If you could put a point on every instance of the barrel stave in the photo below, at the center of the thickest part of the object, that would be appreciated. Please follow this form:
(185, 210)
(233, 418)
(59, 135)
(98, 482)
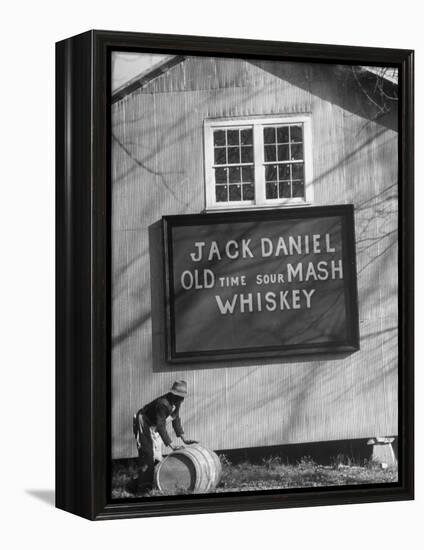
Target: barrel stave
(194, 468)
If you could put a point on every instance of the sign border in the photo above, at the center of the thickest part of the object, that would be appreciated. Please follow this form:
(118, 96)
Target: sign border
(350, 345)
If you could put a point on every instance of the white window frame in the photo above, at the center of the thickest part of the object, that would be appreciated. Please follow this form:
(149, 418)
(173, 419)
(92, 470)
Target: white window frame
(258, 123)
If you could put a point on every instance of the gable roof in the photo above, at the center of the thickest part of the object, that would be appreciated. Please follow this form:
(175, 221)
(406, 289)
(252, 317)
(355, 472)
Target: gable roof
(146, 76)
(386, 73)
(165, 63)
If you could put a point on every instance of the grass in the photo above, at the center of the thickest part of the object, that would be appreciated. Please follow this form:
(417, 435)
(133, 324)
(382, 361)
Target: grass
(273, 473)
(270, 473)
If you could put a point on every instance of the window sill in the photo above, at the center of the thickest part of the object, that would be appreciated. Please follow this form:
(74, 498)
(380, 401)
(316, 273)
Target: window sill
(239, 208)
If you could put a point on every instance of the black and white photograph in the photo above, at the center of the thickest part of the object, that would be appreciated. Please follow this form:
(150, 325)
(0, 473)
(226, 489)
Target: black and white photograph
(254, 275)
(210, 235)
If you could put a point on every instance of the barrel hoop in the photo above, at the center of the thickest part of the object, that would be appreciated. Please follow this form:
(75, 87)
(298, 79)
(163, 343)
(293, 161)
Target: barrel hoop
(205, 463)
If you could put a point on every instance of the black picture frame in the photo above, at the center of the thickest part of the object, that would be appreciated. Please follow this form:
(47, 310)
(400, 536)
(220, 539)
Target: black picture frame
(83, 377)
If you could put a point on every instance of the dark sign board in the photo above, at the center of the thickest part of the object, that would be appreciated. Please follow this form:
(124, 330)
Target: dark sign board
(260, 283)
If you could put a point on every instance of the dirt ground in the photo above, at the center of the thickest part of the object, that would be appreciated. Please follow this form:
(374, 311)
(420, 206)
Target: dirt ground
(271, 473)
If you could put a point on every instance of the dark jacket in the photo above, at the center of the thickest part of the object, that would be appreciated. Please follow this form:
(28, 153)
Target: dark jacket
(157, 411)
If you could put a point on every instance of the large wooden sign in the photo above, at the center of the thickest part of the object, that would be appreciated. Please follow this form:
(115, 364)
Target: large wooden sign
(260, 283)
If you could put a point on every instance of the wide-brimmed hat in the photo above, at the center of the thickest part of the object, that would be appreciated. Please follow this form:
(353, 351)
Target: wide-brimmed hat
(179, 387)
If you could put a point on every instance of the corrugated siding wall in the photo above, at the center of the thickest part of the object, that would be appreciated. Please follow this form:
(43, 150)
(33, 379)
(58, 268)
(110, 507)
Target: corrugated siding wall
(158, 170)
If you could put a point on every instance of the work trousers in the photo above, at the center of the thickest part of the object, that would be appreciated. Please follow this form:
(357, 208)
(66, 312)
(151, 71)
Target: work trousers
(148, 446)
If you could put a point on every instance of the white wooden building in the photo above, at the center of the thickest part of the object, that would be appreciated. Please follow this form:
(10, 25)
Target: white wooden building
(163, 158)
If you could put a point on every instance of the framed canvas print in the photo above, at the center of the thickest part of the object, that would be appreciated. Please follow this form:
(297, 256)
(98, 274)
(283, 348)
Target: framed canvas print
(234, 275)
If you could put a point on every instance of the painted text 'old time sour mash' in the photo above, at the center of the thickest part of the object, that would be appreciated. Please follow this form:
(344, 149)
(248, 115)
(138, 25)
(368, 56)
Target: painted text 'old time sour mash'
(291, 272)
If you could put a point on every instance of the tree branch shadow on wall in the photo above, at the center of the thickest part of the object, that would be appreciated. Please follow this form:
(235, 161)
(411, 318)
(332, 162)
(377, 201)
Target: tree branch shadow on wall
(353, 89)
(374, 247)
(364, 245)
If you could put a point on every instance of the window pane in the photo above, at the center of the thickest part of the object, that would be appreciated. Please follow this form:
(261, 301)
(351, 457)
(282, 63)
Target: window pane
(271, 172)
(296, 133)
(283, 134)
(233, 155)
(284, 172)
(297, 171)
(220, 156)
(247, 136)
(219, 137)
(247, 173)
(247, 154)
(233, 137)
(270, 153)
(269, 135)
(221, 193)
(221, 175)
(283, 152)
(296, 152)
(271, 191)
(234, 173)
(298, 189)
(248, 192)
(284, 190)
(235, 192)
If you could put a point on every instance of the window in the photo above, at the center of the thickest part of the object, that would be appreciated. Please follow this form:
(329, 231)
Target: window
(258, 162)
(234, 169)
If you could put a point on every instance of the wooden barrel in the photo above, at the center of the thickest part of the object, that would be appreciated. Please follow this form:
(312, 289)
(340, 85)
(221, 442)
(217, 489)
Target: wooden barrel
(191, 469)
